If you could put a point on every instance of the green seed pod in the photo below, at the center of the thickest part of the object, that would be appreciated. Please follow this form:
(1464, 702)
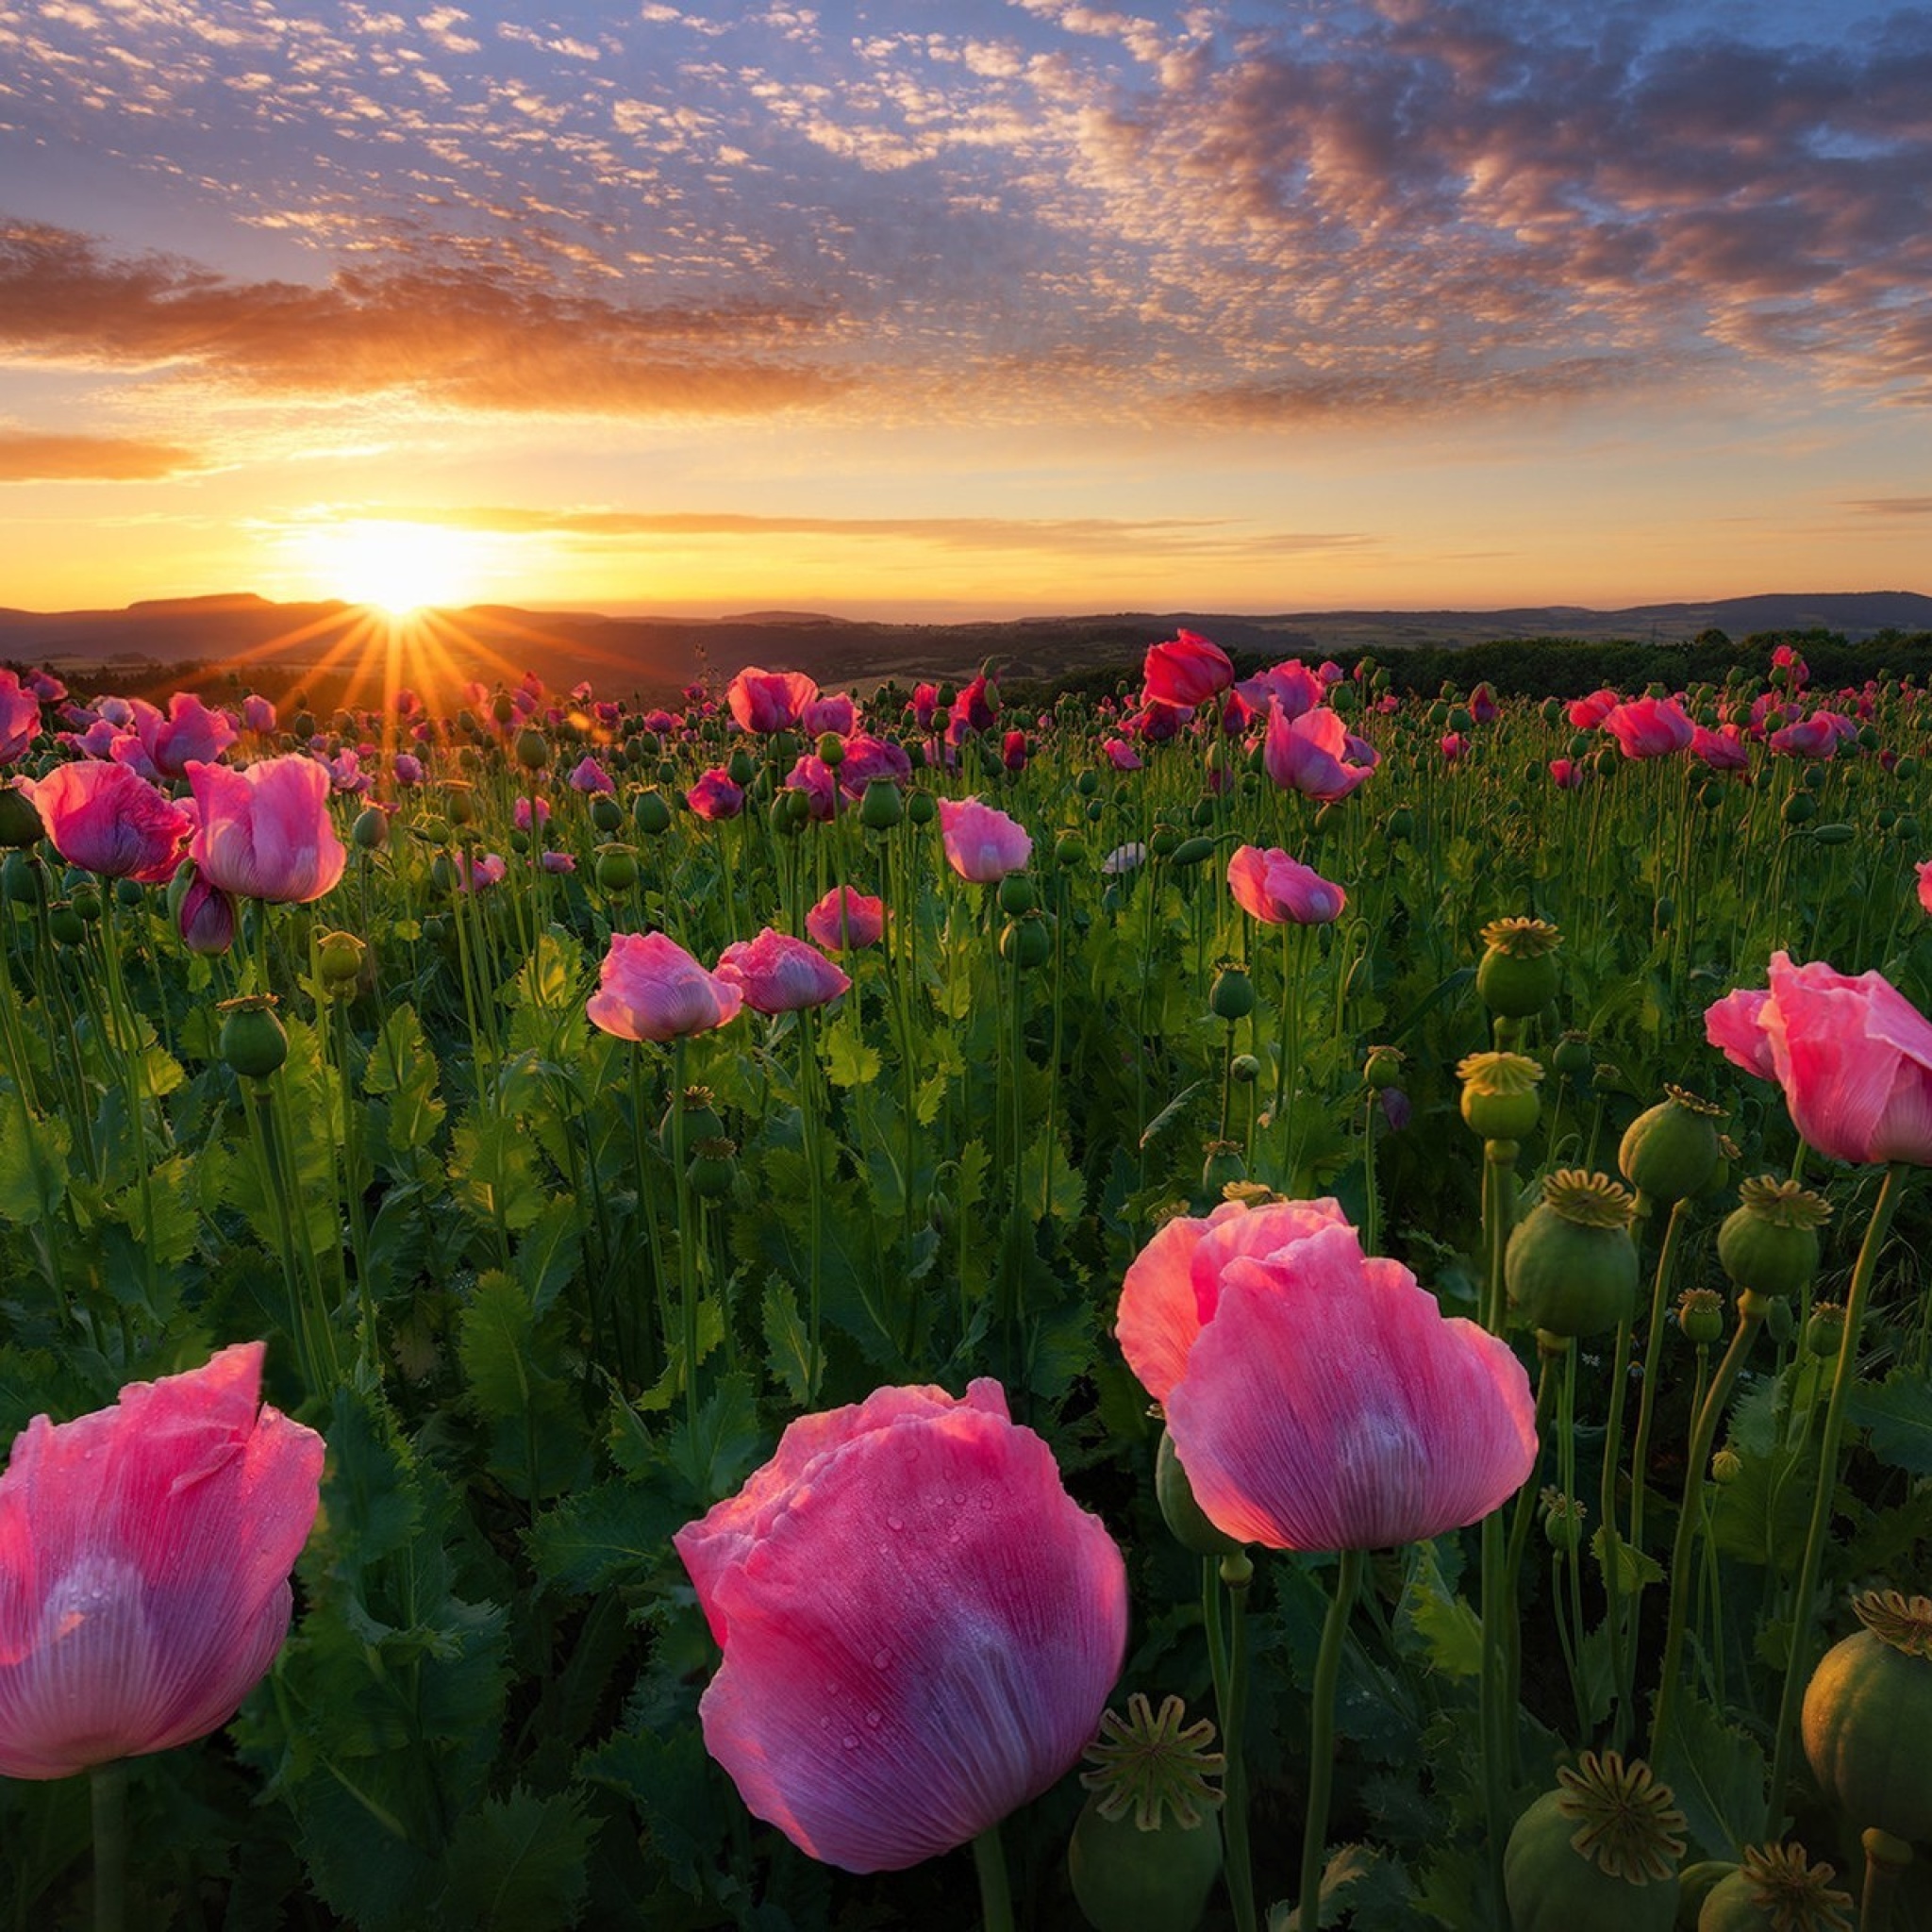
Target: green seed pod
(1222, 1168)
(1670, 1151)
(252, 1040)
(340, 956)
(1016, 895)
(1517, 975)
(533, 749)
(1598, 1855)
(1800, 808)
(19, 823)
(1824, 1332)
(1572, 1057)
(701, 1121)
(1726, 1465)
(921, 808)
(22, 879)
(87, 903)
(1182, 1514)
(1868, 1710)
(650, 814)
(1232, 995)
(459, 803)
(881, 808)
(1563, 1520)
(616, 869)
(1069, 850)
(1146, 1849)
(1246, 1068)
(606, 815)
(1027, 941)
(1769, 1242)
(1701, 1315)
(1163, 841)
(1570, 1266)
(1382, 1070)
(1499, 1099)
(1192, 851)
(713, 1168)
(1776, 1889)
(65, 923)
(370, 833)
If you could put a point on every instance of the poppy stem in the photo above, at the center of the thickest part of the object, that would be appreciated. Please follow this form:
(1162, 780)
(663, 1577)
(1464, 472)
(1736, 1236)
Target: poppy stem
(995, 1887)
(1348, 1585)
(1799, 1668)
(109, 1789)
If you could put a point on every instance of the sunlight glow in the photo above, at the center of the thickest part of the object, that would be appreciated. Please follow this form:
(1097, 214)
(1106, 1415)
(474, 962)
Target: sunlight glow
(397, 567)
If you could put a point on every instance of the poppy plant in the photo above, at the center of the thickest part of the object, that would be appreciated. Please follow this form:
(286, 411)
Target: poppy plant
(920, 1626)
(265, 831)
(649, 987)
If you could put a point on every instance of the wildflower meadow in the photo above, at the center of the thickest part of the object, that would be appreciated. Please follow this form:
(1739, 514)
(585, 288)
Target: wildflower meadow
(1242, 1301)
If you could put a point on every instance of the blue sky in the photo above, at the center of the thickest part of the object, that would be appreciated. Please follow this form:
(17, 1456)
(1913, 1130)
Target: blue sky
(967, 309)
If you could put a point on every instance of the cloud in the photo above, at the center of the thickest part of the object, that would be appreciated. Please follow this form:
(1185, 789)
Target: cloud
(1891, 506)
(27, 458)
(455, 336)
(1098, 536)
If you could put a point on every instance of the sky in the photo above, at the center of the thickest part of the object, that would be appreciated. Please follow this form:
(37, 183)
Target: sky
(978, 309)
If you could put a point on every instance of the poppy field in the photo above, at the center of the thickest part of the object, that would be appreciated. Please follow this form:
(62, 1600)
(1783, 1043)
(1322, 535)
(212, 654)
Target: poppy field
(1252, 1303)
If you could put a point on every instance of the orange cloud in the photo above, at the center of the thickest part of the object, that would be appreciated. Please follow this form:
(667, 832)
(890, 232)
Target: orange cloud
(26, 457)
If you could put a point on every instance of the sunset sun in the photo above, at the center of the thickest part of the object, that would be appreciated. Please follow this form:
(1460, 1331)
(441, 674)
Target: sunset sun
(397, 567)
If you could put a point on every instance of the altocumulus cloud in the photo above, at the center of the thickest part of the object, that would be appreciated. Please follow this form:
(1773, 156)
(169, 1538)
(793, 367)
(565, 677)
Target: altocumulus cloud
(1225, 213)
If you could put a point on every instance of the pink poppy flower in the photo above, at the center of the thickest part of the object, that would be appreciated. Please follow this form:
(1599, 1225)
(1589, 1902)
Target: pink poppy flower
(977, 707)
(1650, 727)
(1122, 756)
(845, 918)
(1810, 737)
(1730, 1024)
(529, 813)
(868, 758)
(1586, 714)
(1187, 670)
(779, 973)
(486, 869)
(1566, 774)
(716, 796)
(1322, 1401)
(190, 731)
(813, 777)
(146, 1550)
(1013, 751)
(407, 768)
(205, 917)
(258, 714)
(837, 714)
(588, 775)
(265, 831)
(1722, 750)
(1292, 685)
(107, 819)
(1313, 753)
(1278, 891)
(649, 987)
(925, 702)
(1454, 744)
(909, 1605)
(1926, 885)
(982, 843)
(1854, 1056)
(558, 862)
(767, 701)
(20, 718)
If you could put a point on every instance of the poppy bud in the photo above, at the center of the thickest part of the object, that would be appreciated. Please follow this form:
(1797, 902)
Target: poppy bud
(1027, 941)
(1670, 1151)
(1570, 1266)
(370, 833)
(1517, 975)
(616, 869)
(606, 815)
(1769, 1242)
(1232, 995)
(20, 824)
(1182, 1514)
(881, 808)
(1016, 895)
(650, 814)
(1499, 1099)
(1701, 1315)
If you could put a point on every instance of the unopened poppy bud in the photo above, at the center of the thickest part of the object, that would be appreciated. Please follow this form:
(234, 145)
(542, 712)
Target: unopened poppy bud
(1069, 849)
(1016, 895)
(921, 808)
(1027, 941)
(1726, 1465)
(1246, 1069)
(86, 903)
(713, 1168)
(370, 833)
(1223, 1163)
(1382, 1070)
(252, 1041)
(65, 923)
(1572, 1057)
(19, 823)
(701, 1121)
(340, 956)
(1182, 1514)
(459, 803)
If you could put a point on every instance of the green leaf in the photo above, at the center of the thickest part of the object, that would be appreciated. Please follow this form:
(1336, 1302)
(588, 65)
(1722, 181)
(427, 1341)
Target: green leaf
(550, 1253)
(1170, 1113)
(494, 1172)
(401, 1076)
(493, 1345)
(849, 1061)
(717, 1453)
(1898, 1412)
(668, 1780)
(33, 1164)
(517, 1863)
(1635, 1570)
(1719, 1776)
(619, 1532)
(1450, 1631)
(787, 1347)
(1760, 1514)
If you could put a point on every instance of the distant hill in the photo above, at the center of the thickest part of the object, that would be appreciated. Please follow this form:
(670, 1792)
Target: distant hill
(342, 653)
